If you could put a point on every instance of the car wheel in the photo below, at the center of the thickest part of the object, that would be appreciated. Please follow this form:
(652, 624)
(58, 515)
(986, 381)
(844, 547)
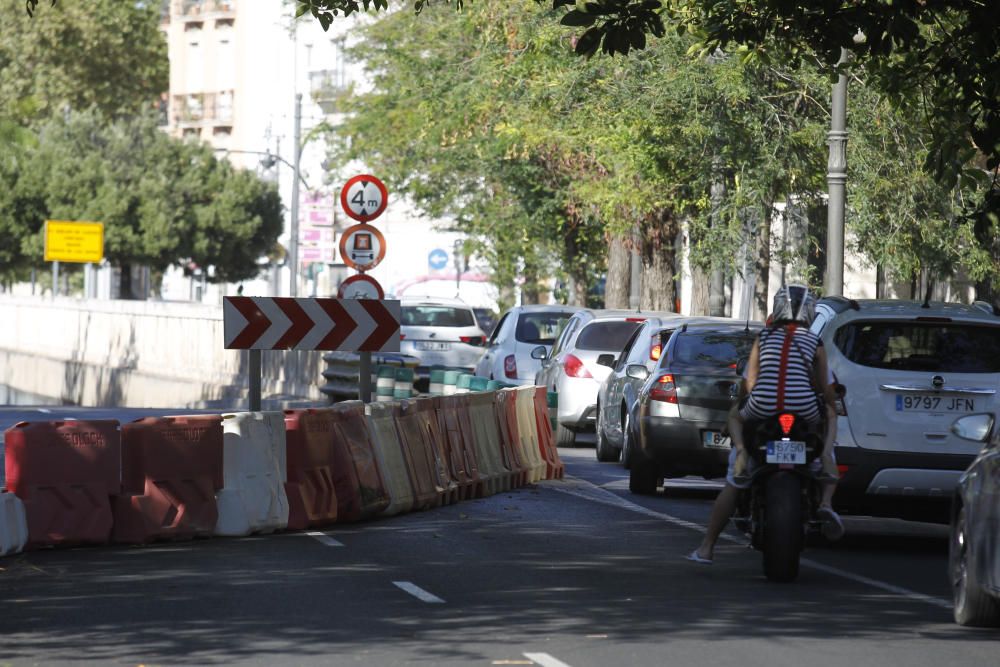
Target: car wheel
(606, 453)
(564, 436)
(972, 606)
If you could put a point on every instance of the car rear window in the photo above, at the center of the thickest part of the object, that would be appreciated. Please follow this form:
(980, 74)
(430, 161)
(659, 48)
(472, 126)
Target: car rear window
(956, 347)
(712, 348)
(607, 336)
(540, 328)
(437, 316)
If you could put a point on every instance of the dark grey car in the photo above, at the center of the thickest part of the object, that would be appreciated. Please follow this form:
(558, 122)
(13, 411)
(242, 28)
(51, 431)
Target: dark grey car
(974, 559)
(684, 404)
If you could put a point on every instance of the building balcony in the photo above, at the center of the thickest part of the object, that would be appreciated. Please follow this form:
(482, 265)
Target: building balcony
(325, 87)
(196, 10)
(203, 109)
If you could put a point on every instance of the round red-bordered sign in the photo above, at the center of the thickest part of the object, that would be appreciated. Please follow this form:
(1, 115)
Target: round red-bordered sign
(360, 287)
(364, 198)
(362, 247)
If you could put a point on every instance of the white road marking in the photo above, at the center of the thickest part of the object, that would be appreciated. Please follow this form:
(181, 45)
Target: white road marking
(418, 592)
(598, 495)
(545, 660)
(325, 539)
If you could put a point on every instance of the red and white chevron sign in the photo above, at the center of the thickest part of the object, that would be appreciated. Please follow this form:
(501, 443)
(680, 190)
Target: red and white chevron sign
(284, 323)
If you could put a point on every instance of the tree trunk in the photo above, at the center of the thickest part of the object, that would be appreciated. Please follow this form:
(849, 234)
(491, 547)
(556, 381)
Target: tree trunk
(763, 265)
(530, 290)
(700, 288)
(616, 287)
(659, 263)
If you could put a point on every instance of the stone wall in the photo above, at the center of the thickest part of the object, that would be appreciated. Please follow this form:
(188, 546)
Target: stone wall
(138, 354)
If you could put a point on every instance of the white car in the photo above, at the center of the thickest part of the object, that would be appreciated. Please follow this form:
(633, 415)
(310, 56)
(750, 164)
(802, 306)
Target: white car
(521, 330)
(441, 333)
(911, 371)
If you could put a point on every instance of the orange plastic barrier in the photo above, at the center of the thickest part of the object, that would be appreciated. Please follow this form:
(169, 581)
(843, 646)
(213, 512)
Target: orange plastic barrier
(355, 439)
(506, 419)
(488, 439)
(171, 470)
(312, 498)
(460, 445)
(65, 473)
(556, 468)
(396, 470)
(524, 408)
(426, 446)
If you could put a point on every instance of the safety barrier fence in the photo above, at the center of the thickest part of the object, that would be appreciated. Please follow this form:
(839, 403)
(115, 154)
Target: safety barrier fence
(179, 477)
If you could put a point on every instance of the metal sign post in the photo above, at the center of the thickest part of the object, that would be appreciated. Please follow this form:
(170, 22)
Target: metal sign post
(254, 371)
(365, 377)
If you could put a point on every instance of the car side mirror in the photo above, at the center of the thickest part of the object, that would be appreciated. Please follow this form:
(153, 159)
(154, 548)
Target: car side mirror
(976, 428)
(540, 353)
(606, 360)
(637, 372)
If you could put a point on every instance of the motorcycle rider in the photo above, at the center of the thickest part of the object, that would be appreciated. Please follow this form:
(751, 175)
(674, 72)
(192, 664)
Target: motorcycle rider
(787, 371)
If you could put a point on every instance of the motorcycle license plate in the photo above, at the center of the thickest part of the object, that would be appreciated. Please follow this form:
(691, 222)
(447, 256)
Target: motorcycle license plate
(786, 452)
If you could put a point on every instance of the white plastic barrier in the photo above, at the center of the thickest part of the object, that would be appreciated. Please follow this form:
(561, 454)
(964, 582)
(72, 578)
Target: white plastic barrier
(528, 432)
(13, 524)
(389, 453)
(253, 499)
(487, 440)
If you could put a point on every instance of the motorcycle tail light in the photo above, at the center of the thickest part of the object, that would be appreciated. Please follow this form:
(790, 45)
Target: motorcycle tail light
(575, 368)
(786, 421)
(510, 366)
(664, 389)
(842, 469)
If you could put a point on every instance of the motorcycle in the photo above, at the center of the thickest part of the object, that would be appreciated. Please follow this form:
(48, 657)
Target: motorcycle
(778, 510)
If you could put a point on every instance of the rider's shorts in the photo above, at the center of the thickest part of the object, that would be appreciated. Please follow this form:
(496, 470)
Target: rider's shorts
(815, 466)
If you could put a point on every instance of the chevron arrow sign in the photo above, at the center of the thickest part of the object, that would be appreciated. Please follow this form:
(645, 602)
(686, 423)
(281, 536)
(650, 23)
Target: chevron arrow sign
(284, 323)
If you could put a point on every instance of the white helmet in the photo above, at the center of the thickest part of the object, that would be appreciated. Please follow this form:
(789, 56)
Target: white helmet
(794, 303)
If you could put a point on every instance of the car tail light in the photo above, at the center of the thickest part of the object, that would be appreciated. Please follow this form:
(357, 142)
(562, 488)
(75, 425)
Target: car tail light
(402, 336)
(575, 368)
(842, 469)
(664, 389)
(510, 366)
(472, 340)
(787, 421)
(655, 351)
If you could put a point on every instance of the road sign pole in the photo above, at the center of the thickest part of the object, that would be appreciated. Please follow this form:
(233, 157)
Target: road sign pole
(254, 371)
(365, 377)
(55, 279)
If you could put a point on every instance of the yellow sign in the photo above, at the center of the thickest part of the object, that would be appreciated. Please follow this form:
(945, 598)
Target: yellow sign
(74, 241)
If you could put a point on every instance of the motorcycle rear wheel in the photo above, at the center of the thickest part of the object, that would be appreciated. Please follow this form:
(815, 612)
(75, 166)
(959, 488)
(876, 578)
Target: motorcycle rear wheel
(783, 533)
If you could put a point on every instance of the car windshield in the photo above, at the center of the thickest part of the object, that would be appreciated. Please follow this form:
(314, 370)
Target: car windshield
(437, 316)
(540, 328)
(955, 347)
(712, 348)
(606, 336)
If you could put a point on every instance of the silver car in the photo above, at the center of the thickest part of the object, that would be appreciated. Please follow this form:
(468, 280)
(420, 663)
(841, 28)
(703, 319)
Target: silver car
(620, 390)
(521, 330)
(440, 333)
(974, 554)
(571, 369)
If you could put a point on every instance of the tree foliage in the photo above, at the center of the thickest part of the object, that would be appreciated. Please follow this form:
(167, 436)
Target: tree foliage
(106, 54)
(163, 201)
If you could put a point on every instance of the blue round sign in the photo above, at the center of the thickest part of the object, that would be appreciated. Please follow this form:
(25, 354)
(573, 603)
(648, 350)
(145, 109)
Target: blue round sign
(437, 259)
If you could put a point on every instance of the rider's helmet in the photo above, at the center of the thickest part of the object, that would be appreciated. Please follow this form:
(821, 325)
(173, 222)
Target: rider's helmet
(794, 303)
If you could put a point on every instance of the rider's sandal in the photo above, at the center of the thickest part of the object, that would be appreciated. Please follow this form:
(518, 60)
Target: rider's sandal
(833, 527)
(695, 557)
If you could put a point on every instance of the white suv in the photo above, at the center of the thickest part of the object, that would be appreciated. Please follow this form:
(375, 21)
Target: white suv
(910, 370)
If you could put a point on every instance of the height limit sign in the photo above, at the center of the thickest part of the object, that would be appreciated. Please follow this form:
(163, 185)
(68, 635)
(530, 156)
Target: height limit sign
(364, 198)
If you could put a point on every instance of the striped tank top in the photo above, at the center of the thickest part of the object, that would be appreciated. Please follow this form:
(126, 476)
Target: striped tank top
(785, 387)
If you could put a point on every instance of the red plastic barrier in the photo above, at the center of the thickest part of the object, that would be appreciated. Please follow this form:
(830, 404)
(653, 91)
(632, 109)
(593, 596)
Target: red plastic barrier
(312, 497)
(423, 439)
(510, 438)
(453, 419)
(65, 472)
(171, 470)
(556, 469)
(353, 437)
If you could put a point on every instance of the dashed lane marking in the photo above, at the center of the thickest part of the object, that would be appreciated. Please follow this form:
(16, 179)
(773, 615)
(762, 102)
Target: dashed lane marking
(323, 538)
(545, 660)
(418, 592)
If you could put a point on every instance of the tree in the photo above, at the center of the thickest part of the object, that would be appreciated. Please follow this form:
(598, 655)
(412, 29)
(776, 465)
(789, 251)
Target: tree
(106, 54)
(163, 201)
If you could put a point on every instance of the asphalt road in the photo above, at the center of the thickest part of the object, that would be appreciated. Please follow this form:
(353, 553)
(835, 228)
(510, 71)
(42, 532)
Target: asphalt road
(576, 573)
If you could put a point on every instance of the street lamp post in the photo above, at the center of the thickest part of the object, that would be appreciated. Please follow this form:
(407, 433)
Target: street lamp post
(836, 179)
(293, 244)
